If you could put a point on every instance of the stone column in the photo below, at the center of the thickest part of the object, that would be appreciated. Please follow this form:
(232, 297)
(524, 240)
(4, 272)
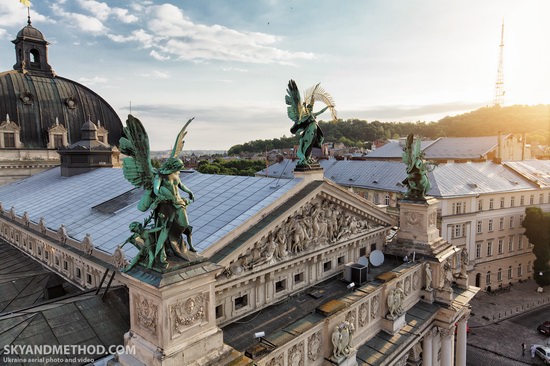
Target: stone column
(461, 342)
(435, 346)
(427, 349)
(447, 337)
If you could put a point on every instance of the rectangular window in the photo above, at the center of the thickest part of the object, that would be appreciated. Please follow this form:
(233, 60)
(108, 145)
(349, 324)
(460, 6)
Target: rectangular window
(520, 241)
(488, 278)
(491, 204)
(520, 220)
(372, 247)
(78, 273)
(541, 198)
(489, 249)
(458, 231)
(500, 246)
(501, 202)
(9, 139)
(520, 270)
(511, 222)
(511, 244)
(89, 279)
(521, 200)
(57, 141)
(280, 285)
(57, 261)
(479, 227)
(387, 200)
(299, 278)
(490, 225)
(480, 205)
(46, 254)
(362, 251)
(341, 260)
(499, 276)
(366, 195)
(65, 265)
(512, 201)
(478, 250)
(532, 199)
(458, 208)
(219, 311)
(327, 266)
(241, 302)
(501, 223)
(510, 272)
(375, 198)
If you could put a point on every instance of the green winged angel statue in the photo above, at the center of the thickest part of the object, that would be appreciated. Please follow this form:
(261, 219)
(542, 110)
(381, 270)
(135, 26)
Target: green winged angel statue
(305, 121)
(417, 181)
(160, 236)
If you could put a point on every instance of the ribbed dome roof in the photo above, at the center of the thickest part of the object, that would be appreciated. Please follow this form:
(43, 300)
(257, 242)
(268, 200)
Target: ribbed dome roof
(31, 32)
(34, 96)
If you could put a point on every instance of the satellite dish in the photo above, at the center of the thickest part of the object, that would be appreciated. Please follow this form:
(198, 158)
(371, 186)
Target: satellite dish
(376, 258)
(363, 261)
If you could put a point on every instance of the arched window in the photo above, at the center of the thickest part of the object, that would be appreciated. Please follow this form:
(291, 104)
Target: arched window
(499, 275)
(35, 57)
(387, 199)
(520, 270)
(488, 278)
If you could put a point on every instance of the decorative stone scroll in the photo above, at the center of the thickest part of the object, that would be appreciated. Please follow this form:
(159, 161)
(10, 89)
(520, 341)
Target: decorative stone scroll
(375, 306)
(407, 288)
(296, 355)
(413, 218)
(277, 361)
(118, 258)
(147, 313)
(314, 346)
(363, 317)
(415, 281)
(186, 313)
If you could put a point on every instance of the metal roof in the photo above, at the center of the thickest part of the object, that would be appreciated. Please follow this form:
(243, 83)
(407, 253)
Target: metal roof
(537, 171)
(447, 180)
(394, 150)
(462, 147)
(80, 202)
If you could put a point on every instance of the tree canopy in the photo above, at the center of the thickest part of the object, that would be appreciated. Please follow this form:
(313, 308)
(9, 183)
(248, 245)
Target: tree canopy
(231, 167)
(487, 121)
(537, 230)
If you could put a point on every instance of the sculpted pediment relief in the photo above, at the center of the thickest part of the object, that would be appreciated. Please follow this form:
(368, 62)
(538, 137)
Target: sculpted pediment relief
(321, 222)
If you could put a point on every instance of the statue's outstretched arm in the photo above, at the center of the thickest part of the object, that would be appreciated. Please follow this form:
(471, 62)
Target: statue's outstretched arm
(186, 190)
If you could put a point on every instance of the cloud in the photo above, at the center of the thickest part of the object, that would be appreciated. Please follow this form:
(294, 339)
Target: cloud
(86, 23)
(13, 13)
(93, 81)
(158, 56)
(155, 74)
(230, 69)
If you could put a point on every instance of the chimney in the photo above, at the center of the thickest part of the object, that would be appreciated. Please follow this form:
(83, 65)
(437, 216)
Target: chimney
(523, 146)
(498, 158)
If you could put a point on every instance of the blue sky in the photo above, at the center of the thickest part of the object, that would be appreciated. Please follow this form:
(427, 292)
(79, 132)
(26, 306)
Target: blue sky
(227, 63)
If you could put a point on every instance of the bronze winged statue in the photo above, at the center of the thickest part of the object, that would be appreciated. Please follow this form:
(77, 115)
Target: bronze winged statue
(305, 121)
(417, 181)
(161, 235)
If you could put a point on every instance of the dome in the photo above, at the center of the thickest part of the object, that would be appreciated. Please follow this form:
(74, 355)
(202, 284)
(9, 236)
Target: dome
(31, 32)
(33, 95)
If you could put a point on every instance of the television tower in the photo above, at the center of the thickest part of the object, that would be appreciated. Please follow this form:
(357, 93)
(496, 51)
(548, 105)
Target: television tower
(499, 86)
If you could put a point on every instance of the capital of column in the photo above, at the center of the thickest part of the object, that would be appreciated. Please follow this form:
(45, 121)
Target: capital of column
(447, 333)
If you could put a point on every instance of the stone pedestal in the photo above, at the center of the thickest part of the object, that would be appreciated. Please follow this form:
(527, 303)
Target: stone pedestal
(351, 360)
(308, 175)
(172, 317)
(462, 281)
(444, 295)
(393, 325)
(427, 296)
(418, 221)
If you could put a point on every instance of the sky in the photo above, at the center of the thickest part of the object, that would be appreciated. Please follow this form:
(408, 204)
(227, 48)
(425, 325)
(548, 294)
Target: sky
(228, 63)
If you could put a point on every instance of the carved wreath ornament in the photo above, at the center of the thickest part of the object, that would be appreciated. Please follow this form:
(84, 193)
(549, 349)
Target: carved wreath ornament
(146, 313)
(188, 312)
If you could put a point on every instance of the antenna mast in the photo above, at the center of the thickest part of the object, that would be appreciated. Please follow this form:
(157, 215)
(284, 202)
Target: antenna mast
(499, 86)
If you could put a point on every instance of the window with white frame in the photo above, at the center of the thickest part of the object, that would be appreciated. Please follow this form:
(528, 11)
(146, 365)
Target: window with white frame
(479, 226)
(511, 244)
(459, 230)
(510, 272)
(375, 198)
(488, 278)
(520, 270)
(520, 220)
(511, 222)
(489, 248)
(500, 246)
(490, 225)
(499, 275)
(491, 204)
(501, 223)
(541, 198)
(520, 241)
(532, 199)
(480, 205)
(387, 199)
(501, 202)
(512, 201)
(521, 200)
(478, 250)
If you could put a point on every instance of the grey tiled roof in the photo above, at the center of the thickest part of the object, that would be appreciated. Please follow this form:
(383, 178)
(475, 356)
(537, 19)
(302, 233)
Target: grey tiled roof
(394, 150)
(447, 180)
(221, 204)
(537, 171)
(461, 147)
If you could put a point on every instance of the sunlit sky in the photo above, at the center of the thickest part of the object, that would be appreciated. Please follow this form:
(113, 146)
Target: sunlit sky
(227, 63)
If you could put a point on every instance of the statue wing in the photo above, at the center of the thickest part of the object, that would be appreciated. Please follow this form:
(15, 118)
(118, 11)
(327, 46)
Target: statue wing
(295, 109)
(137, 168)
(178, 146)
(317, 93)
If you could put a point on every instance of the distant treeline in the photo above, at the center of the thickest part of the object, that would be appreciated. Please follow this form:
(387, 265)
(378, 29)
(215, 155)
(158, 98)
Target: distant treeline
(533, 120)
